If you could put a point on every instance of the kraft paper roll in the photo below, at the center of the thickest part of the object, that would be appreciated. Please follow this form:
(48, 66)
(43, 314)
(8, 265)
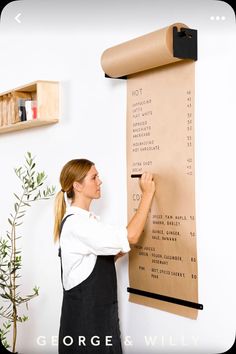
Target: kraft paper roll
(160, 139)
(146, 52)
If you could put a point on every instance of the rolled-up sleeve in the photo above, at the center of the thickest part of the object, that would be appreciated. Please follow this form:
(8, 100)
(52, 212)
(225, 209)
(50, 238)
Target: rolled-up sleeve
(89, 235)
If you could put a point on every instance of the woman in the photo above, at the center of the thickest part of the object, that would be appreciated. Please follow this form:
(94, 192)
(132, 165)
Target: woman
(89, 318)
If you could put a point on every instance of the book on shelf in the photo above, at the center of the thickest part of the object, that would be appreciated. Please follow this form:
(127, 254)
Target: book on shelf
(18, 99)
(31, 109)
(8, 113)
(4, 111)
(17, 107)
(27, 109)
(1, 116)
(21, 110)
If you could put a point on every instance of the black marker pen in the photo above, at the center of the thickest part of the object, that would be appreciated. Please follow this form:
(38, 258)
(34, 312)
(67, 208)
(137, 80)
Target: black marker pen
(136, 175)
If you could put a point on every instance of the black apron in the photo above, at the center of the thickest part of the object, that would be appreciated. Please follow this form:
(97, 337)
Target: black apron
(89, 316)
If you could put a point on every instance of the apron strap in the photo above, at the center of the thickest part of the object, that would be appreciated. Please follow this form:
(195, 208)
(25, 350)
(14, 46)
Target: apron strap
(59, 249)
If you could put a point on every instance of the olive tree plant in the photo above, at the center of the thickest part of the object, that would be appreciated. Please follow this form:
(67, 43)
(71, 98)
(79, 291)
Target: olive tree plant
(33, 190)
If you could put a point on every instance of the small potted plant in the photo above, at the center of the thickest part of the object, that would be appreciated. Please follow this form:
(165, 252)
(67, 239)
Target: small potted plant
(32, 183)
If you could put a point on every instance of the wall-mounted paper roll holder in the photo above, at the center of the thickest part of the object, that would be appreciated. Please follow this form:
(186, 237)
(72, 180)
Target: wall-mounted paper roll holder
(184, 45)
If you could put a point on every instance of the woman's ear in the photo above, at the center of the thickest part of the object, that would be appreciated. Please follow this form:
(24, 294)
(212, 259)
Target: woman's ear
(77, 186)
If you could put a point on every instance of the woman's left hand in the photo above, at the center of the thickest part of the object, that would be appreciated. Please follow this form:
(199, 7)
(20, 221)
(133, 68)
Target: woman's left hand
(118, 255)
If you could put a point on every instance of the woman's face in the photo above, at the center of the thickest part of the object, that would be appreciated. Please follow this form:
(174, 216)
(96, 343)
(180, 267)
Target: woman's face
(90, 187)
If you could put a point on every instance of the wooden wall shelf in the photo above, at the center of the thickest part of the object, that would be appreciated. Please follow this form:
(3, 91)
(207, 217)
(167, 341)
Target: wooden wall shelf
(27, 125)
(46, 95)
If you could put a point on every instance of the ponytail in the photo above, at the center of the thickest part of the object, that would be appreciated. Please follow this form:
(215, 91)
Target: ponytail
(74, 170)
(59, 210)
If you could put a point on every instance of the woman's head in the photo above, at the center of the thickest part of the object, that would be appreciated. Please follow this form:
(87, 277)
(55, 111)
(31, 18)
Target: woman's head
(78, 177)
(73, 172)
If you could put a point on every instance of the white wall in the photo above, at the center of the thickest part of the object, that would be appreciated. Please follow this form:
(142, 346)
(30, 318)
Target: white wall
(65, 43)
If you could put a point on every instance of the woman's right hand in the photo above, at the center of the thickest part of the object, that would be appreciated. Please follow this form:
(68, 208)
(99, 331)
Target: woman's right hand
(147, 183)
(137, 223)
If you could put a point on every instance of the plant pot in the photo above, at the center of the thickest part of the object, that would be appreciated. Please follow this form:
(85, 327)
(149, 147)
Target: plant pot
(3, 350)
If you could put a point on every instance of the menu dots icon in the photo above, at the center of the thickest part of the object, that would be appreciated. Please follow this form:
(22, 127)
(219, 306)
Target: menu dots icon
(218, 18)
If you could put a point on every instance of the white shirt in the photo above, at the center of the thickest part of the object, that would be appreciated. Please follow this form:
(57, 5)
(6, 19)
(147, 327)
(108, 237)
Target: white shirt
(82, 239)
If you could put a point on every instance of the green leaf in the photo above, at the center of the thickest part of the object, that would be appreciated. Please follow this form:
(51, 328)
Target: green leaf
(18, 224)
(20, 216)
(16, 196)
(27, 204)
(36, 290)
(10, 222)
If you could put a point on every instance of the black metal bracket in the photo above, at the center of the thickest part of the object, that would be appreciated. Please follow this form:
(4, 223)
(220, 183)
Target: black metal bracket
(121, 77)
(166, 298)
(185, 43)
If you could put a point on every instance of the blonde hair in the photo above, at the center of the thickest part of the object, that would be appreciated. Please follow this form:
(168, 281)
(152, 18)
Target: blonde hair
(74, 170)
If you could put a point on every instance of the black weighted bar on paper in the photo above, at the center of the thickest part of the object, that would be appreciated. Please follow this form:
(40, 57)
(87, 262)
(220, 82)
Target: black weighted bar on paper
(166, 298)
